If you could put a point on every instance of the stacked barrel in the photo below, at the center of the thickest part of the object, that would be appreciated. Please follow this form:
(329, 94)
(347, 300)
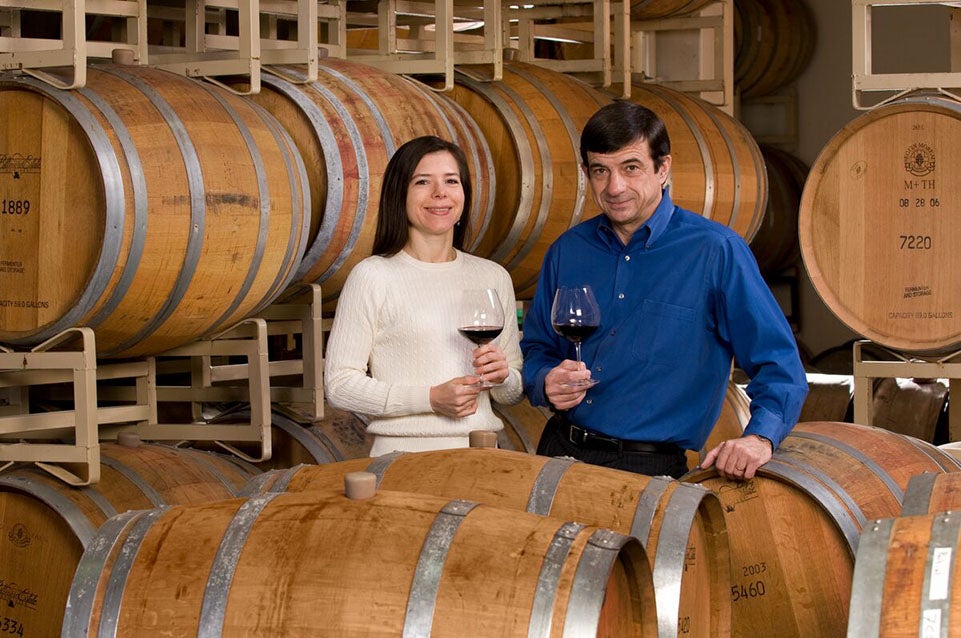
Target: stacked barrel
(191, 542)
(159, 210)
(170, 230)
(187, 208)
(773, 44)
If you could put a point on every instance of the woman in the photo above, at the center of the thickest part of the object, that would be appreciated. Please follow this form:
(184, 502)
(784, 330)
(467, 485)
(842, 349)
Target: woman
(394, 352)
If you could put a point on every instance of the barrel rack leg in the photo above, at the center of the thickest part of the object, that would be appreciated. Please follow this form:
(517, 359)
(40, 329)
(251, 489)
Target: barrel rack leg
(944, 367)
(50, 363)
(215, 376)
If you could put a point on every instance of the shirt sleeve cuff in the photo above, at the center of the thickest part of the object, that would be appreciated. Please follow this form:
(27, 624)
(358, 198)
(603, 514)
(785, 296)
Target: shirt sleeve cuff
(535, 391)
(767, 424)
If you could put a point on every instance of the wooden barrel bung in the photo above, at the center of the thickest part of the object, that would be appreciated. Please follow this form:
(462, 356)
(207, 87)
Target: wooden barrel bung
(877, 230)
(681, 526)
(360, 485)
(394, 564)
(483, 438)
(794, 528)
(179, 207)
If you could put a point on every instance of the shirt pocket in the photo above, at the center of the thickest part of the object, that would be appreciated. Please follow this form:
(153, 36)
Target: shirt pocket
(665, 334)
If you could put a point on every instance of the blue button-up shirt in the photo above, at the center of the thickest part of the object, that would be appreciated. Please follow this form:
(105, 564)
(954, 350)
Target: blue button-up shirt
(681, 300)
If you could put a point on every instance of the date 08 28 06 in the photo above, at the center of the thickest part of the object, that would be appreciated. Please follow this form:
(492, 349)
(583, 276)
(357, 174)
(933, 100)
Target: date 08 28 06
(14, 206)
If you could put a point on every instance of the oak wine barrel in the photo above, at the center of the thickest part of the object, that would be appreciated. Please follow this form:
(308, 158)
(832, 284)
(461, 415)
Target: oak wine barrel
(46, 524)
(931, 492)
(532, 120)
(952, 448)
(829, 397)
(906, 577)
(347, 125)
(523, 425)
(653, 9)
(295, 440)
(774, 41)
(794, 527)
(717, 169)
(680, 526)
(878, 234)
(394, 564)
(151, 207)
(775, 245)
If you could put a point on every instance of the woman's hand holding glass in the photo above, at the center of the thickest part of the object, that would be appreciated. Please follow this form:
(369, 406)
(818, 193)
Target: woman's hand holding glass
(481, 321)
(490, 364)
(455, 398)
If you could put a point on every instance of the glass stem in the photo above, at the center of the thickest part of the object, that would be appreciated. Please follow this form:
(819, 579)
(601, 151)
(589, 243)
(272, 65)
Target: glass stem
(577, 350)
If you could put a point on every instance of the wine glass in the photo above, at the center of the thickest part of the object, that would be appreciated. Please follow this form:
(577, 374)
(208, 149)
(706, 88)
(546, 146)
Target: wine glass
(575, 316)
(481, 320)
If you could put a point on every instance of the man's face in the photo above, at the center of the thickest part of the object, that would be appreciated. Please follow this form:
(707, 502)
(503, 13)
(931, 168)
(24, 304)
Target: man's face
(626, 186)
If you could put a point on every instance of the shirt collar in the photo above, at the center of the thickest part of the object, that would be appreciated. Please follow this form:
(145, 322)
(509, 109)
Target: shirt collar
(651, 230)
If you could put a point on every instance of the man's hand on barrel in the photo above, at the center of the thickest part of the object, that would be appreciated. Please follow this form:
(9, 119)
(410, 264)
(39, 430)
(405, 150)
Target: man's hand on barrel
(739, 458)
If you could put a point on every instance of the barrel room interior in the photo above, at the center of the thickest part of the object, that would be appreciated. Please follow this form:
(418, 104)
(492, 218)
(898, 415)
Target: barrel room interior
(195, 198)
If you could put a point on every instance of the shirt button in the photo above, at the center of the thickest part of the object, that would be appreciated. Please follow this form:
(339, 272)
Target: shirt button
(613, 332)
(589, 401)
(598, 368)
(620, 295)
(627, 257)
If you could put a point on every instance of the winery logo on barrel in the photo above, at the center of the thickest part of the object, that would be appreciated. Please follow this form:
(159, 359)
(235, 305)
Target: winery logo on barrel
(15, 595)
(18, 164)
(919, 159)
(19, 535)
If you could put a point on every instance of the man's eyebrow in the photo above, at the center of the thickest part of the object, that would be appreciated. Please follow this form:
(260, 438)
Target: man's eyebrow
(629, 160)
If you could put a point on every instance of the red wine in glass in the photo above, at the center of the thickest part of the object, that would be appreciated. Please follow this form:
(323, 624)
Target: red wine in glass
(575, 316)
(481, 335)
(481, 320)
(575, 333)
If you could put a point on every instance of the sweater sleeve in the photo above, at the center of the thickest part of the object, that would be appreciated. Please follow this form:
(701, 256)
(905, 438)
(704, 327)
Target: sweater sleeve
(346, 381)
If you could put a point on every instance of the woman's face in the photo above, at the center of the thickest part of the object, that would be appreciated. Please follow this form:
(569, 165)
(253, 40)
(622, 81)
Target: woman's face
(435, 195)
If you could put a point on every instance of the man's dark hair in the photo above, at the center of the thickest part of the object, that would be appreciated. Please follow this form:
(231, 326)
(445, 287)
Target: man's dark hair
(621, 123)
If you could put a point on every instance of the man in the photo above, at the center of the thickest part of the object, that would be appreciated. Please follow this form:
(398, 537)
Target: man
(680, 297)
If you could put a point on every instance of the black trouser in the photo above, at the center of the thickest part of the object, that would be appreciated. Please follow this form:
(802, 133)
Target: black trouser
(556, 441)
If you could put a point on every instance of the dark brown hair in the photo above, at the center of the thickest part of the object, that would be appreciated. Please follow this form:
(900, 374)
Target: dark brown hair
(618, 124)
(393, 229)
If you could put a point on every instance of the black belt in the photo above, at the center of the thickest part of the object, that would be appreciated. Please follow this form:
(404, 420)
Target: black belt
(584, 438)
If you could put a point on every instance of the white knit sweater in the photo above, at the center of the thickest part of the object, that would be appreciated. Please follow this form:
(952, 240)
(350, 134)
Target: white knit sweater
(395, 335)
